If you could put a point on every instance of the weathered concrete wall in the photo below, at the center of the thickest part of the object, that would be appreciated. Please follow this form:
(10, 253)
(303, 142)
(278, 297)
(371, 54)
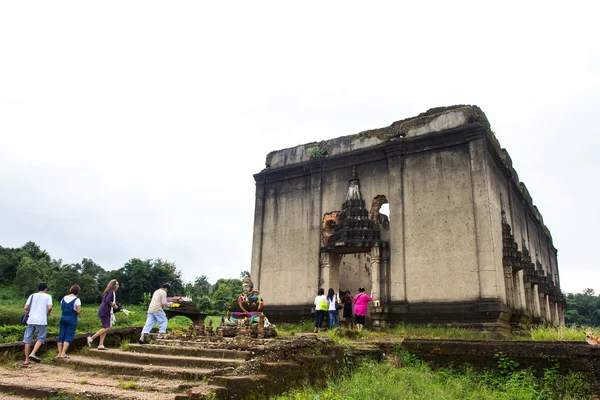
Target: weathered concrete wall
(449, 186)
(289, 258)
(439, 227)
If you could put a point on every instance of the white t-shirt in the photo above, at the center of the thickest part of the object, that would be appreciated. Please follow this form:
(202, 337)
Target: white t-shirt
(333, 303)
(38, 311)
(76, 303)
(319, 300)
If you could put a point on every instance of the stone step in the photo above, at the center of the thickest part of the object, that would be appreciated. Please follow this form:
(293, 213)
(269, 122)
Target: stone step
(60, 390)
(238, 387)
(86, 363)
(178, 350)
(166, 360)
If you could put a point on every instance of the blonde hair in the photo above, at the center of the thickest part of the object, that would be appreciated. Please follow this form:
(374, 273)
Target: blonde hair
(110, 286)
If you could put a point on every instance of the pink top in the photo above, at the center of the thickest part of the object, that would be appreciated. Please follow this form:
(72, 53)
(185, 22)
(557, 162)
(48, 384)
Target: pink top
(360, 303)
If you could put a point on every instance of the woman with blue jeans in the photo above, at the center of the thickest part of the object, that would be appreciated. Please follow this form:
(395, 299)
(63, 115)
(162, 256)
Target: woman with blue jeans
(332, 300)
(70, 306)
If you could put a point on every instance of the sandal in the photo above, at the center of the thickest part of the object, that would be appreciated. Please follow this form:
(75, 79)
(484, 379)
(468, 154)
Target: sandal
(35, 359)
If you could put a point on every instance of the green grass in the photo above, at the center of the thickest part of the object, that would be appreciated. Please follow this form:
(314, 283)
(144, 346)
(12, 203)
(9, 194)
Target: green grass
(405, 377)
(128, 385)
(561, 333)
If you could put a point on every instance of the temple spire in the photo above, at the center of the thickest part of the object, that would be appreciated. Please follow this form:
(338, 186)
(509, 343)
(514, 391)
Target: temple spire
(354, 187)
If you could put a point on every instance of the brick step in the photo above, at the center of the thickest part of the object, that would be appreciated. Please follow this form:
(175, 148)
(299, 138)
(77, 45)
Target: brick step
(166, 360)
(86, 363)
(179, 350)
(238, 387)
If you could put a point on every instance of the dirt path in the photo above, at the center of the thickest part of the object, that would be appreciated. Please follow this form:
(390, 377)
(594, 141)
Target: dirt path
(52, 377)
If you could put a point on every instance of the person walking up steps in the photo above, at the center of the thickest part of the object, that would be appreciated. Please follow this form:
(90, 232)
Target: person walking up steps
(39, 306)
(106, 311)
(156, 314)
(70, 306)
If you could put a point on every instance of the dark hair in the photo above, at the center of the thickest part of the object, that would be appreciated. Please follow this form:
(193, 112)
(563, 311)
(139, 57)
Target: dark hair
(330, 294)
(75, 289)
(321, 292)
(347, 292)
(165, 286)
(361, 289)
(42, 286)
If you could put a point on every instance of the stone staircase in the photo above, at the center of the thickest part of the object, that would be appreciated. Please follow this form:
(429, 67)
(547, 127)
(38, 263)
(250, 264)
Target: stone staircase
(173, 370)
(140, 372)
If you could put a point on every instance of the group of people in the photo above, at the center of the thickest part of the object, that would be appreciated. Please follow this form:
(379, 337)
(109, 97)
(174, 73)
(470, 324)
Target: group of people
(39, 307)
(353, 307)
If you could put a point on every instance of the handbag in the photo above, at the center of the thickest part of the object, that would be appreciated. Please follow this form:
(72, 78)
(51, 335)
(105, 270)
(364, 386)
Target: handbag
(339, 306)
(25, 317)
(117, 305)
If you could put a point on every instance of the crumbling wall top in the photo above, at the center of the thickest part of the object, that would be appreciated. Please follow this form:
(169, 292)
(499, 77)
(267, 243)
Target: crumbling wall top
(433, 120)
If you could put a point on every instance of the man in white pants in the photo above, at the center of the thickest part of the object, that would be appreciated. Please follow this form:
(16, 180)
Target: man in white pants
(156, 313)
(39, 306)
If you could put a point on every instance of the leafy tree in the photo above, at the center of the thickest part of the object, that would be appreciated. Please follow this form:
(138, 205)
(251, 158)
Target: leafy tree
(9, 261)
(142, 276)
(222, 297)
(34, 252)
(202, 286)
(205, 304)
(583, 308)
(28, 275)
(62, 280)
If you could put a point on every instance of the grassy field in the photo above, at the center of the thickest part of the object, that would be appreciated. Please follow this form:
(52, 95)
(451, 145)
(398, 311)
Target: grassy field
(11, 309)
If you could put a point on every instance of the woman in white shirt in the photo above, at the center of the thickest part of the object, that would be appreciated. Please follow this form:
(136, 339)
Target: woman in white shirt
(332, 301)
(70, 306)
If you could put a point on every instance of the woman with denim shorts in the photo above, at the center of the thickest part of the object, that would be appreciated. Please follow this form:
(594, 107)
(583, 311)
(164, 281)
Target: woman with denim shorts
(70, 306)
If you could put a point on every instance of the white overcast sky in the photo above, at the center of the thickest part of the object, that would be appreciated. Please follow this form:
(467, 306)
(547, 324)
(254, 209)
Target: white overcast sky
(133, 128)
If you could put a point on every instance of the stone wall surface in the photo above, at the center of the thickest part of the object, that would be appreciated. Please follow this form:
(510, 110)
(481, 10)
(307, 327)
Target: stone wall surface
(452, 192)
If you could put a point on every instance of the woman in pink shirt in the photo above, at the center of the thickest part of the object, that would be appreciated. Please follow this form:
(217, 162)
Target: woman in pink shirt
(361, 301)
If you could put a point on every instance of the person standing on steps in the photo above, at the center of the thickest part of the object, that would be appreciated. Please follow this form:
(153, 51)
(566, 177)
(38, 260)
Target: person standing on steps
(39, 306)
(361, 301)
(70, 306)
(320, 309)
(156, 313)
(106, 311)
(348, 317)
(332, 302)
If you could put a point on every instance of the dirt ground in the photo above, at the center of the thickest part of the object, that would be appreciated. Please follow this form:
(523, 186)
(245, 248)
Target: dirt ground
(87, 384)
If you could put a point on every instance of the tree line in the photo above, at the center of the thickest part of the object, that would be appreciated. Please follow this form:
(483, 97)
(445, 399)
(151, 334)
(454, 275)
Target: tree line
(26, 266)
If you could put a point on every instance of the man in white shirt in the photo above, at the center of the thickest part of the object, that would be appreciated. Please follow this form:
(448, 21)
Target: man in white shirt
(39, 306)
(156, 313)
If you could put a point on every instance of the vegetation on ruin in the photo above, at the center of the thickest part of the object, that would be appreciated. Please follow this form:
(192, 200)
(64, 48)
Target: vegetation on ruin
(343, 336)
(317, 152)
(403, 376)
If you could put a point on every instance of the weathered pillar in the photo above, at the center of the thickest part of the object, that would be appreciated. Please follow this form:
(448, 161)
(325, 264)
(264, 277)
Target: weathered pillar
(375, 275)
(325, 273)
(537, 311)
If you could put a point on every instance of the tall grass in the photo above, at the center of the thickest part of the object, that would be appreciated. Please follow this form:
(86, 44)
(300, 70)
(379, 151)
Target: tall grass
(561, 333)
(416, 380)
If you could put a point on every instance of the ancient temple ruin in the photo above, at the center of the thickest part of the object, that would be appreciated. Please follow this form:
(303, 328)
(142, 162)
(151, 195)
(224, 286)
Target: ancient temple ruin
(463, 242)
